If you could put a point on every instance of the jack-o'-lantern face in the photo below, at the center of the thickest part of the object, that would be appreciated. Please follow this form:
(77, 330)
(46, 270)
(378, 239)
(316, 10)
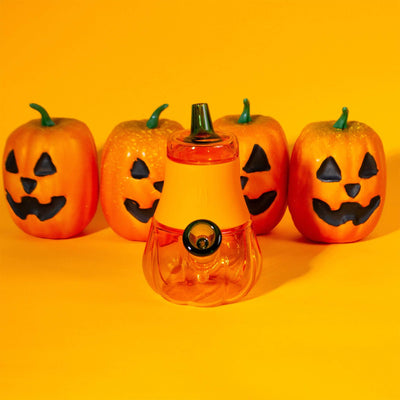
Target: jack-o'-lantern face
(138, 172)
(264, 161)
(30, 205)
(50, 177)
(132, 174)
(257, 162)
(330, 172)
(132, 178)
(337, 182)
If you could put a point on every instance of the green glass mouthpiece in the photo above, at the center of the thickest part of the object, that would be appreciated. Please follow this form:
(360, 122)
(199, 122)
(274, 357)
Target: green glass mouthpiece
(202, 130)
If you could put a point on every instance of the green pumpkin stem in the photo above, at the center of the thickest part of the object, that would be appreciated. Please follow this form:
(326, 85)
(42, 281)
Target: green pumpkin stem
(152, 123)
(202, 130)
(341, 123)
(46, 120)
(245, 116)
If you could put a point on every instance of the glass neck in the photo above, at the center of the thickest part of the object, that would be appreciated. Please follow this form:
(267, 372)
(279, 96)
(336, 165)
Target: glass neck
(202, 130)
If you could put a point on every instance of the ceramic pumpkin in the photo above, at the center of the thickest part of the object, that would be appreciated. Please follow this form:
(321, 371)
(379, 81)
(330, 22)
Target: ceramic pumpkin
(264, 162)
(337, 181)
(132, 173)
(50, 176)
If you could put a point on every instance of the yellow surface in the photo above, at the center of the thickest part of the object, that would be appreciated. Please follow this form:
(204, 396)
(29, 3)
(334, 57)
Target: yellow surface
(77, 319)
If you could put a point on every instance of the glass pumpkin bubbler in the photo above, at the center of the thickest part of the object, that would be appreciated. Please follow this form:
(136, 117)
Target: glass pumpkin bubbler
(201, 248)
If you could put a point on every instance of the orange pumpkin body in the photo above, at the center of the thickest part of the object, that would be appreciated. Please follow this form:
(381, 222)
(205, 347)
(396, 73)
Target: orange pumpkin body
(51, 179)
(132, 175)
(337, 182)
(264, 163)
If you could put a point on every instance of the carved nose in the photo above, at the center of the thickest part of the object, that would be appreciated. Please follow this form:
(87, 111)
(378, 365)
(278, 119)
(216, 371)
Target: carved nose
(352, 189)
(28, 184)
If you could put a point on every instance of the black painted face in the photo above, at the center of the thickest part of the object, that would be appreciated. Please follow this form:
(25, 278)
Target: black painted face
(257, 162)
(139, 171)
(328, 172)
(30, 205)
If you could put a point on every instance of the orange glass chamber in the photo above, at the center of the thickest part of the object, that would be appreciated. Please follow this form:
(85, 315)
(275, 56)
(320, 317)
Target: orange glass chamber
(201, 249)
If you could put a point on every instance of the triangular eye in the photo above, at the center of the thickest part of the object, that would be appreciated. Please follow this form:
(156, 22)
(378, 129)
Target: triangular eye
(258, 160)
(139, 169)
(158, 185)
(368, 167)
(44, 166)
(329, 171)
(243, 181)
(11, 163)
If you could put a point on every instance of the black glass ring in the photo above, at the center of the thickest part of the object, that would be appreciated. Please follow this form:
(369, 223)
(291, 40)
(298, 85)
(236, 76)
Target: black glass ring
(202, 237)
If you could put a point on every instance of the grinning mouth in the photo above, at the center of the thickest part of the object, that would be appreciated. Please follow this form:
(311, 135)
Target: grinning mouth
(260, 204)
(141, 214)
(348, 211)
(31, 205)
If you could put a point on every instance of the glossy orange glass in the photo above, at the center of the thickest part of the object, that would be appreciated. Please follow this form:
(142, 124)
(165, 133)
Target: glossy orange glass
(223, 277)
(202, 203)
(180, 150)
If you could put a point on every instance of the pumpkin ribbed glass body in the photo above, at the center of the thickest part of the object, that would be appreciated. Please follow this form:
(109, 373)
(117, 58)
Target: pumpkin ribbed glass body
(201, 249)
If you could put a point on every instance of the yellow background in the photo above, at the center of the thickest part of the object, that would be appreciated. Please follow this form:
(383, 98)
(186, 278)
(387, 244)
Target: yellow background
(78, 320)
